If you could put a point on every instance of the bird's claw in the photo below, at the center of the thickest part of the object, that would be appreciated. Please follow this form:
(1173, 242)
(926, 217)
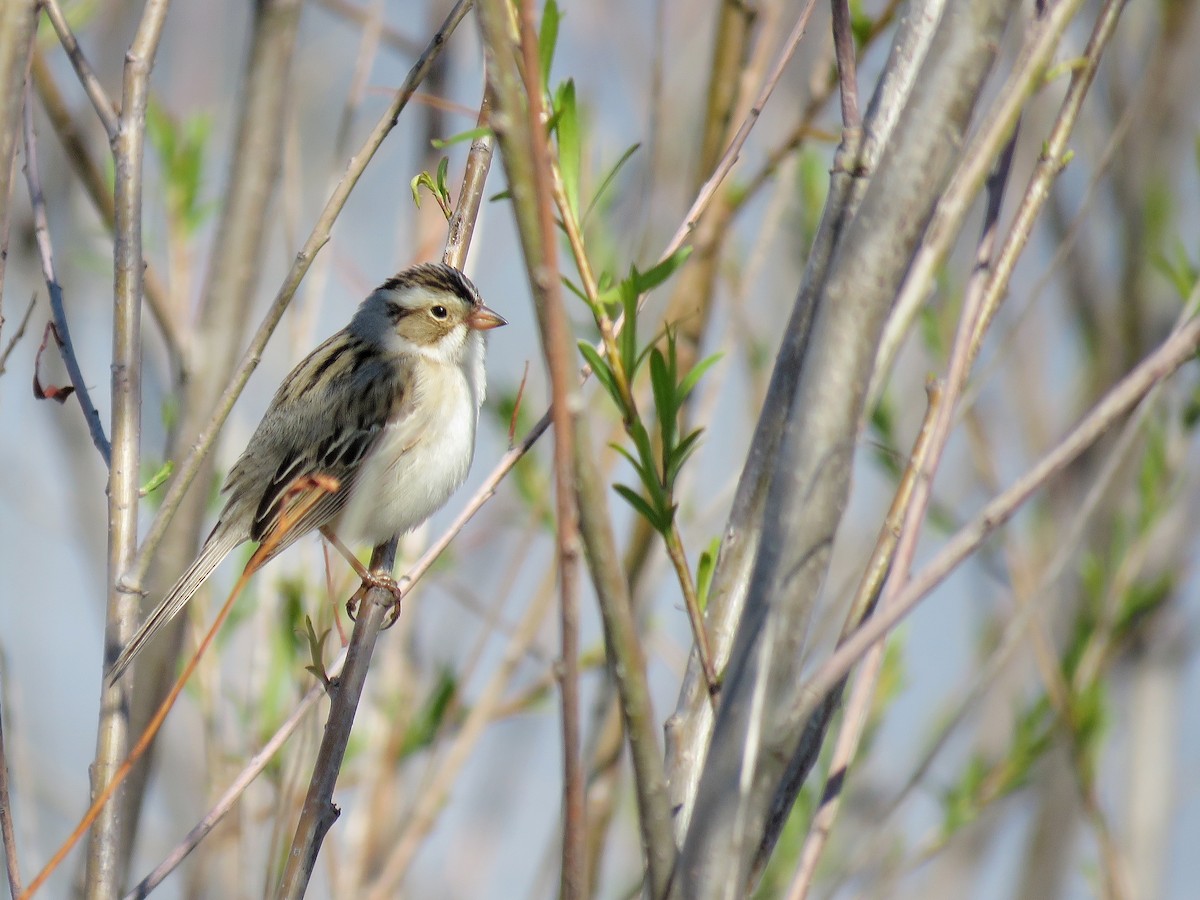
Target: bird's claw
(386, 582)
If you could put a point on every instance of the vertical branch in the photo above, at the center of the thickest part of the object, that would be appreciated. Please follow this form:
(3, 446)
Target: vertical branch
(628, 666)
(7, 832)
(843, 45)
(105, 856)
(520, 130)
(231, 283)
(755, 733)
(18, 25)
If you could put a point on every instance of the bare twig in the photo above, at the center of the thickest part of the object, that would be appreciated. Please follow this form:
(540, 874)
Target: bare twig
(18, 334)
(8, 834)
(925, 459)
(106, 857)
(101, 801)
(46, 255)
(843, 43)
(359, 15)
(996, 125)
(628, 668)
(318, 813)
(18, 32)
(105, 109)
(237, 787)
(1159, 365)
(100, 193)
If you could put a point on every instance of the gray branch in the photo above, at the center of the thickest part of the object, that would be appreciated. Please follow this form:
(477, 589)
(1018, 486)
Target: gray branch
(755, 735)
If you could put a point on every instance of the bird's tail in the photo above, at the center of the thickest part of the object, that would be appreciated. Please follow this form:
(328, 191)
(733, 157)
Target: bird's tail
(219, 545)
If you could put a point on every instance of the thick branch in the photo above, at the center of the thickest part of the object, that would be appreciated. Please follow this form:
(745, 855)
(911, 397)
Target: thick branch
(752, 741)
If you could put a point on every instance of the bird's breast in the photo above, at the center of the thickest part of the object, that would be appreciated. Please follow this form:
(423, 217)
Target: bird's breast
(422, 458)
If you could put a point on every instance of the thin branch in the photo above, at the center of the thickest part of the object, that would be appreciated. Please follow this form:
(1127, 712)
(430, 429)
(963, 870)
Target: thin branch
(106, 857)
(525, 150)
(18, 34)
(352, 12)
(18, 334)
(105, 109)
(100, 802)
(996, 126)
(46, 254)
(319, 813)
(237, 787)
(1159, 365)
(186, 471)
(100, 193)
(843, 44)
(926, 456)
(628, 668)
(8, 834)
(752, 740)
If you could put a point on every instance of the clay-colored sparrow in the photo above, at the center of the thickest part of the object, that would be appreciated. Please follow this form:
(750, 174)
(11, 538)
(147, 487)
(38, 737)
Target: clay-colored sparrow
(387, 406)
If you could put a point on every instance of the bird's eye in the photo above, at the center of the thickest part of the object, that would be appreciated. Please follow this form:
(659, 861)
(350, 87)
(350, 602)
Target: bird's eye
(439, 312)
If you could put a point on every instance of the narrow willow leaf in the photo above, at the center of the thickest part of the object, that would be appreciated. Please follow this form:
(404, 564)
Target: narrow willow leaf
(601, 370)
(689, 381)
(472, 134)
(679, 455)
(638, 502)
(608, 180)
(664, 397)
(569, 154)
(656, 275)
(548, 40)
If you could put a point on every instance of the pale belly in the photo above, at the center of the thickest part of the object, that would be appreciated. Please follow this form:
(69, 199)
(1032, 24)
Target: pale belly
(413, 471)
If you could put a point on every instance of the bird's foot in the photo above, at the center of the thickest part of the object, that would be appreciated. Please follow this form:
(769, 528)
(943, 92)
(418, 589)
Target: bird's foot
(385, 582)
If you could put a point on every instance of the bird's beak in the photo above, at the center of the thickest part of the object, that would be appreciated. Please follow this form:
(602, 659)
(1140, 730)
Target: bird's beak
(483, 319)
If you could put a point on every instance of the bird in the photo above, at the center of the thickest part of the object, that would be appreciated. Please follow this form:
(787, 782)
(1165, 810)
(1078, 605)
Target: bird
(385, 410)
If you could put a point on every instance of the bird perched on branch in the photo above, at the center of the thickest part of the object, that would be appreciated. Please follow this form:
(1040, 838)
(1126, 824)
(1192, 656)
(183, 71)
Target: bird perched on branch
(385, 410)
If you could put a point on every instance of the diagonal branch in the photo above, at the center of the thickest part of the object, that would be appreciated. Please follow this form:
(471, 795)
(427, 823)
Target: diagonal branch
(46, 254)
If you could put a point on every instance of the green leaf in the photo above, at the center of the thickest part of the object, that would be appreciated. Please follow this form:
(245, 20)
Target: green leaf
(157, 479)
(638, 502)
(548, 40)
(316, 651)
(691, 378)
(704, 571)
(680, 454)
(601, 370)
(425, 725)
(575, 289)
(664, 397)
(569, 153)
(608, 180)
(653, 277)
(463, 136)
(648, 478)
(628, 339)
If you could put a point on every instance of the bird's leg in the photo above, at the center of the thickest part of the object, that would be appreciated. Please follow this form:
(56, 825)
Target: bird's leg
(369, 579)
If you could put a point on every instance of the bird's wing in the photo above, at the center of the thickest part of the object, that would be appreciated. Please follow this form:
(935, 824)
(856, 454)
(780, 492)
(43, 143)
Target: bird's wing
(326, 438)
(313, 431)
